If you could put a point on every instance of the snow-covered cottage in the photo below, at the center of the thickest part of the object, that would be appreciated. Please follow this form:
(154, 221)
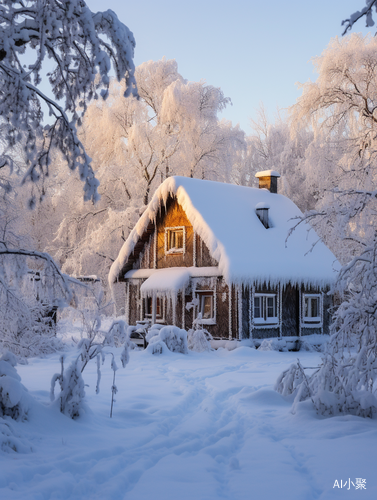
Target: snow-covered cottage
(221, 251)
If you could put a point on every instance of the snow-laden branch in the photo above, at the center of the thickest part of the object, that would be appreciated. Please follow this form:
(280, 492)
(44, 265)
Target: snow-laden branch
(81, 45)
(356, 16)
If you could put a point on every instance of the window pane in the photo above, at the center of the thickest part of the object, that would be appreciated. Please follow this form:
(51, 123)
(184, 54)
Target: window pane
(179, 239)
(172, 240)
(314, 307)
(257, 308)
(175, 239)
(148, 306)
(206, 307)
(306, 307)
(270, 307)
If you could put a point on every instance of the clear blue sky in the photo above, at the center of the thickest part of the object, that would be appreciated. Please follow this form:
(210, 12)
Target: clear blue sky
(255, 51)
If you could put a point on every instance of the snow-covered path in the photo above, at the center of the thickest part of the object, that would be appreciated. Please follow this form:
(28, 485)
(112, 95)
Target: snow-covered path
(201, 426)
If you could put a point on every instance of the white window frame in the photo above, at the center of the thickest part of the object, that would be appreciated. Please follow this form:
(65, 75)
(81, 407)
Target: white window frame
(172, 251)
(311, 320)
(200, 294)
(264, 319)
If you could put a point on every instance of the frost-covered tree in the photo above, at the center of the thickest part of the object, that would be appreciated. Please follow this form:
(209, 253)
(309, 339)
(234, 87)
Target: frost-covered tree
(135, 144)
(344, 99)
(271, 147)
(80, 48)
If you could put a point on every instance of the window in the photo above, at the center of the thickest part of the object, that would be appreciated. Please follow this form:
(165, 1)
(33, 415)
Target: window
(311, 308)
(265, 309)
(148, 307)
(174, 239)
(206, 306)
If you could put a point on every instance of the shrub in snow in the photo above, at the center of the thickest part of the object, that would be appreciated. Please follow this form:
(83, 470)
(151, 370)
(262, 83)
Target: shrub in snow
(313, 343)
(157, 346)
(153, 331)
(72, 393)
(198, 340)
(171, 337)
(28, 301)
(293, 381)
(275, 344)
(13, 395)
(175, 338)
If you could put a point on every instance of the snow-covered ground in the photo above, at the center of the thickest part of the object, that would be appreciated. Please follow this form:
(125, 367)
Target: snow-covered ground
(198, 426)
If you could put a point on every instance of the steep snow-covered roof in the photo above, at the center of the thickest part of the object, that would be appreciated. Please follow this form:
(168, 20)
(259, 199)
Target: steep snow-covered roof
(224, 216)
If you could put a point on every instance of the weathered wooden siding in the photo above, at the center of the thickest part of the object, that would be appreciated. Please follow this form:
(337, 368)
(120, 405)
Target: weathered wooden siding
(196, 251)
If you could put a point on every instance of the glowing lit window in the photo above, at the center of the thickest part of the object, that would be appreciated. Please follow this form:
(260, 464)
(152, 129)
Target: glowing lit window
(206, 306)
(174, 240)
(265, 309)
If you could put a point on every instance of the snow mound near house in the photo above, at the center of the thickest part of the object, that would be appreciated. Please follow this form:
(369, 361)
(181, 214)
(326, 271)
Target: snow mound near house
(275, 344)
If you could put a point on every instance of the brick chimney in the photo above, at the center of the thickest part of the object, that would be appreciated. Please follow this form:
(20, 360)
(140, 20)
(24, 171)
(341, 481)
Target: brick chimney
(268, 179)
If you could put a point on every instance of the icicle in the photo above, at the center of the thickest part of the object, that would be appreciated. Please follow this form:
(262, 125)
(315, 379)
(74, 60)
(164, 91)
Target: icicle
(215, 300)
(300, 312)
(239, 300)
(194, 249)
(183, 308)
(230, 312)
(280, 311)
(321, 311)
(155, 247)
(251, 305)
(127, 304)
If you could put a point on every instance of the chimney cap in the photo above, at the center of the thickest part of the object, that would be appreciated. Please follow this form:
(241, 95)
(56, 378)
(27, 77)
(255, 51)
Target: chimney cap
(267, 173)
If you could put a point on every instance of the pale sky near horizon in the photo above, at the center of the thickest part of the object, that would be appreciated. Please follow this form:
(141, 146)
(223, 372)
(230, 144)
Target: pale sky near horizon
(254, 51)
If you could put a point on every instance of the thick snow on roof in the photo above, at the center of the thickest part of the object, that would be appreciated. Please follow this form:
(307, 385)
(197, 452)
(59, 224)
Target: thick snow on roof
(224, 216)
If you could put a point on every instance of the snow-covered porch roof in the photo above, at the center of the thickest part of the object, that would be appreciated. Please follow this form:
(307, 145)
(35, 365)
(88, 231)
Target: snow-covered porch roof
(166, 282)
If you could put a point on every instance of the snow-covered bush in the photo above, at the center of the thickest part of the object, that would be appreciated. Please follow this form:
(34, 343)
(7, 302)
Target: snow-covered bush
(13, 395)
(153, 331)
(171, 337)
(72, 393)
(294, 381)
(29, 300)
(198, 340)
(275, 344)
(175, 338)
(313, 343)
